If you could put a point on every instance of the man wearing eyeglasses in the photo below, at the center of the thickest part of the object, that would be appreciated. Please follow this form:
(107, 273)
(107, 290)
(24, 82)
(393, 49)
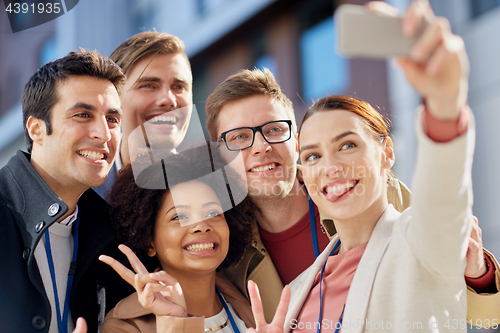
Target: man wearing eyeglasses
(248, 112)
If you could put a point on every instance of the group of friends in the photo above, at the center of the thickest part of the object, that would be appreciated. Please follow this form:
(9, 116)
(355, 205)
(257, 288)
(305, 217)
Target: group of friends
(331, 244)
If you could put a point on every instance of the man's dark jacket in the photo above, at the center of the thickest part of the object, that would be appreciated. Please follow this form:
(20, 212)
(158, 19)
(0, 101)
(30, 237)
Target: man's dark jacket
(24, 216)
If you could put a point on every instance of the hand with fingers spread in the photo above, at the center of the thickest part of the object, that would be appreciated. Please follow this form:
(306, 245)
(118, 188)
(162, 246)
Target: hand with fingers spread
(158, 292)
(277, 325)
(475, 256)
(438, 68)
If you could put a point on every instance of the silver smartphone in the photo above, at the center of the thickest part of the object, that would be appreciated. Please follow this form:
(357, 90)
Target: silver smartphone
(362, 33)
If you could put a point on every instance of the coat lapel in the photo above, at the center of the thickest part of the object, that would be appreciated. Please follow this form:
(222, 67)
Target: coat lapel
(362, 283)
(302, 284)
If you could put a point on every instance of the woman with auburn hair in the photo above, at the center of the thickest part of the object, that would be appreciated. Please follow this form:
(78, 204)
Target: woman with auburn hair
(175, 227)
(385, 270)
(384, 266)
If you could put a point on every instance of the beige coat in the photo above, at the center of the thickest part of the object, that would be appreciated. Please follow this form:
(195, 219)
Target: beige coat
(411, 272)
(129, 316)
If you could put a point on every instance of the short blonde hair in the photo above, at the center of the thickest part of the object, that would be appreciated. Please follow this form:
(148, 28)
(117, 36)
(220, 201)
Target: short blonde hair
(143, 44)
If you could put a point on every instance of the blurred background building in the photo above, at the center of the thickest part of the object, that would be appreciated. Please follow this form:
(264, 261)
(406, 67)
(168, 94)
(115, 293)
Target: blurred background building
(295, 39)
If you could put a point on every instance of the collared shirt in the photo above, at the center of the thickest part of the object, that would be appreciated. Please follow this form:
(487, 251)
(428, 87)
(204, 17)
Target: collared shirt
(61, 241)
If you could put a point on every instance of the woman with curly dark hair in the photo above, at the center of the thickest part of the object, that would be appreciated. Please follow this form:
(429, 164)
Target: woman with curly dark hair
(174, 224)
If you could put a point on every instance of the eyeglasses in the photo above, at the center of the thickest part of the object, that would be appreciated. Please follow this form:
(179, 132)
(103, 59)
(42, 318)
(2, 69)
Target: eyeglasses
(243, 137)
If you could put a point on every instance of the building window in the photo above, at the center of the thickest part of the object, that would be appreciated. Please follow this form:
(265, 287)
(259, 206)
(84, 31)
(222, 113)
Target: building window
(479, 7)
(324, 72)
(205, 6)
(268, 62)
(49, 51)
(142, 16)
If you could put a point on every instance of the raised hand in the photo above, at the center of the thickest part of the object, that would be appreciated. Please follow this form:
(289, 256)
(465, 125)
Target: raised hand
(158, 292)
(438, 68)
(278, 323)
(475, 256)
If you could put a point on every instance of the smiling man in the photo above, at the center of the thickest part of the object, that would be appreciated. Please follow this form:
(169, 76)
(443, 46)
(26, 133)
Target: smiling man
(242, 114)
(156, 98)
(53, 227)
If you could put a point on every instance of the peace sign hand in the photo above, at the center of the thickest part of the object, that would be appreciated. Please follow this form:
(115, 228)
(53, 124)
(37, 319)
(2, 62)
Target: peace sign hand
(276, 326)
(158, 292)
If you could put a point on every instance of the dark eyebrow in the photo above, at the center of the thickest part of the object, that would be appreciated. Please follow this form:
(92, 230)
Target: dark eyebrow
(177, 79)
(186, 206)
(175, 207)
(90, 107)
(84, 106)
(148, 79)
(143, 79)
(115, 111)
(337, 138)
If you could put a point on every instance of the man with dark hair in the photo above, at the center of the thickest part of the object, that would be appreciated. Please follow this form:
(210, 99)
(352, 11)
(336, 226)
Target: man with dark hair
(53, 227)
(158, 90)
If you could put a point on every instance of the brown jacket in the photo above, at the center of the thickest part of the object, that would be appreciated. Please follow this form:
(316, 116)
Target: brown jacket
(129, 316)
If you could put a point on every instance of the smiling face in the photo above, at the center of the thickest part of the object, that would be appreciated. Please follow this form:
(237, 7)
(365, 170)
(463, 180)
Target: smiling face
(158, 90)
(270, 168)
(80, 151)
(202, 244)
(344, 166)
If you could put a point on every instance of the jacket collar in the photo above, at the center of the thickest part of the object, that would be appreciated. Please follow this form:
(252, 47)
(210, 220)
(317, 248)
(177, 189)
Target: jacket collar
(28, 195)
(359, 296)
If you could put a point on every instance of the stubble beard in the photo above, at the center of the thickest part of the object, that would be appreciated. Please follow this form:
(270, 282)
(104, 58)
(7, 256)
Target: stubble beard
(265, 194)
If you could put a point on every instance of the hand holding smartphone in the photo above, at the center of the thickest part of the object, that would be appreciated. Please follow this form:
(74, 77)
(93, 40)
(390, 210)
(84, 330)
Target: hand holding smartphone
(362, 33)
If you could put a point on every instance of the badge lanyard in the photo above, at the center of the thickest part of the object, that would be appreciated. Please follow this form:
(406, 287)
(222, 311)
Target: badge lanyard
(339, 323)
(312, 219)
(229, 315)
(62, 321)
(316, 254)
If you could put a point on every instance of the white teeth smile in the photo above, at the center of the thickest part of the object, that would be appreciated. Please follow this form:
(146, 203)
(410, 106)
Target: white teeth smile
(264, 168)
(93, 155)
(200, 247)
(341, 188)
(164, 119)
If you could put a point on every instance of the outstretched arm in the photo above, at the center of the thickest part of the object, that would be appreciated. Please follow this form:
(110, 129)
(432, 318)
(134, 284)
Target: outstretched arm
(438, 70)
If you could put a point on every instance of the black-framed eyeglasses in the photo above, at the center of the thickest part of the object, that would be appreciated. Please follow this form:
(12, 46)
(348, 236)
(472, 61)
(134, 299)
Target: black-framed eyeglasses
(243, 137)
